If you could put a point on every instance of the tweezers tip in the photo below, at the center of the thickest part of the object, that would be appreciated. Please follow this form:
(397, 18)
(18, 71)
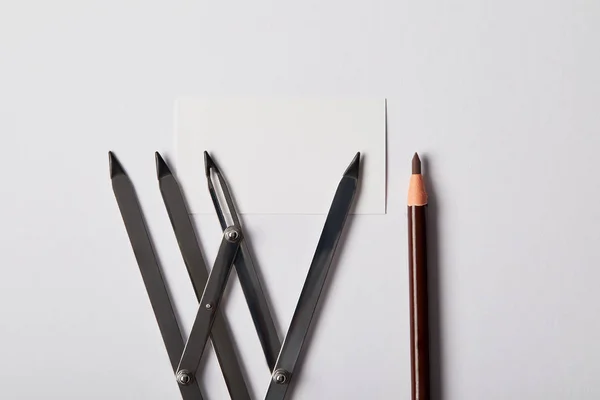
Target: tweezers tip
(354, 167)
(209, 164)
(115, 166)
(162, 169)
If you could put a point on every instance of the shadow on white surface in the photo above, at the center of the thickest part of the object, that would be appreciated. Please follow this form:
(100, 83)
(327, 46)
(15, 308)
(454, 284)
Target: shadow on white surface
(434, 295)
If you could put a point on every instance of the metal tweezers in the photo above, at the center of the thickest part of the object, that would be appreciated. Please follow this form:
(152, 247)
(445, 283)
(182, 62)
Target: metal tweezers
(209, 288)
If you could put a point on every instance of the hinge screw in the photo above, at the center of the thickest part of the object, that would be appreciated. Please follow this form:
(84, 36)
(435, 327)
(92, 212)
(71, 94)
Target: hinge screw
(232, 234)
(281, 376)
(184, 377)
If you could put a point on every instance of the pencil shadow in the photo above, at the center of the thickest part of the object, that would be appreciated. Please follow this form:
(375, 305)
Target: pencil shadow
(436, 345)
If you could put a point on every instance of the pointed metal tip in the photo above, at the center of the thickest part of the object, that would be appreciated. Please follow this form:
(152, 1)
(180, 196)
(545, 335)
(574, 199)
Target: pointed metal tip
(353, 168)
(209, 164)
(416, 164)
(115, 166)
(162, 169)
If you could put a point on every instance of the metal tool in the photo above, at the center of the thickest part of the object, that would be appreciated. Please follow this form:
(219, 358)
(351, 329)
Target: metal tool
(281, 359)
(257, 302)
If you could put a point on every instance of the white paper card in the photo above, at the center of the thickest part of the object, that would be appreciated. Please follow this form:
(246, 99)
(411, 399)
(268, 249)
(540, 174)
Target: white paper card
(282, 156)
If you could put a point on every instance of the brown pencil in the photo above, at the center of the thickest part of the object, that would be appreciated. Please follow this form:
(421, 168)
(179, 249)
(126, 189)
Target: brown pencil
(417, 264)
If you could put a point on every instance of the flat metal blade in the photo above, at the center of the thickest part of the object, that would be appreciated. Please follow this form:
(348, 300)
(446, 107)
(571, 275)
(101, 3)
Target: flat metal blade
(194, 261)
(144, 253)
(209, 304)
(246, 270)
(313, 285)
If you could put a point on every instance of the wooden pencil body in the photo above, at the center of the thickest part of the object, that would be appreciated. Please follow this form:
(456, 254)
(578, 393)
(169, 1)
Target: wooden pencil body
(419, 322)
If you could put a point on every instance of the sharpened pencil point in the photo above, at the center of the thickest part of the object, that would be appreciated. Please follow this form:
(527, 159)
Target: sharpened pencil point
(162, 169)
(115, 166)
(354, 167)
(209, 164)
(416, 164)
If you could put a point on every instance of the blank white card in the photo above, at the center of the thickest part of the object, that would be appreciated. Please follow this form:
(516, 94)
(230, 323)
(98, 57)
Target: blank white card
(282, 156)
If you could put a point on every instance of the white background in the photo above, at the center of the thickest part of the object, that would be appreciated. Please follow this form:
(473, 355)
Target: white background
(500, 97)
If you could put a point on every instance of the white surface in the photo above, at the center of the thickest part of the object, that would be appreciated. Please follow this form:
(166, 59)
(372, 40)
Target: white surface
(281, 155)
(501, 98)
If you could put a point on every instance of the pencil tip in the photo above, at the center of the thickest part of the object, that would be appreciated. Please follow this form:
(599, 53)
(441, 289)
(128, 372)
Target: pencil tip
(115, 166)
(162, 169)
(209, 164)
(416, 164)
(354, 167)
